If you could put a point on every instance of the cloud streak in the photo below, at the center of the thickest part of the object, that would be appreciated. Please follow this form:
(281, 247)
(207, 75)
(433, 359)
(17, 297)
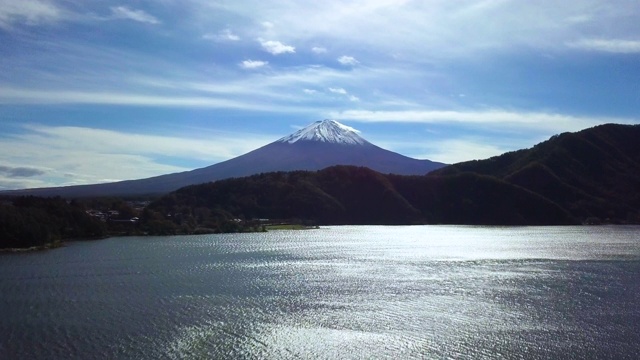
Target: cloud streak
(124, 12)
(224, 35)
(29, 12)
(26, 96)
(80, 155)
(341, 91)
(607, 45)
(540, 121)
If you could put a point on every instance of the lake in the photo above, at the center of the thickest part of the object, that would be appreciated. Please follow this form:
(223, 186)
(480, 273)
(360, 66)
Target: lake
(358, 292)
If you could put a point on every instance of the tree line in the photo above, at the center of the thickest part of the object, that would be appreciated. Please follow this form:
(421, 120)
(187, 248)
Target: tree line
(36, 222)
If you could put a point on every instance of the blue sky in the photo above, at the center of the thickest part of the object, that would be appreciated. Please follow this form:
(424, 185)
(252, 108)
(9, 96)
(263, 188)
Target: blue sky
(95, 91)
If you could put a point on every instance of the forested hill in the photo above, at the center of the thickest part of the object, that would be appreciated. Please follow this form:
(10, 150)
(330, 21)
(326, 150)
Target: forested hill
(357, 195)
(40, 222)
(594, 174)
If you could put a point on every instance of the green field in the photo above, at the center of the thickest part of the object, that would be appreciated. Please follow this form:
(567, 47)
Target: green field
(289, 227)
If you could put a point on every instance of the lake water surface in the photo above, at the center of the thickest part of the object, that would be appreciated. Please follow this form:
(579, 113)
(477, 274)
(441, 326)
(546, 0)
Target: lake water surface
(356, 292)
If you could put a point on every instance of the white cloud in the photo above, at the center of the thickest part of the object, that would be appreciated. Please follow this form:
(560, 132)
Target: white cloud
(124, 12)
(267, 24)
(441, 29)
(348, 60)
(224, 35)
(276, 47)
(27, 96)
(338, 91)
(318, 50)
(341, 91)
(273, 90)
(37, 12)
(253, 64)
(22, 183)
(310, 91)
(65, 155)
(451, 151)
(30, 12)
(494, 119)
(607, 45)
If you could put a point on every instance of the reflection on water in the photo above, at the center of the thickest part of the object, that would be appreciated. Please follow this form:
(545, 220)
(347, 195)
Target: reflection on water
(336, 292)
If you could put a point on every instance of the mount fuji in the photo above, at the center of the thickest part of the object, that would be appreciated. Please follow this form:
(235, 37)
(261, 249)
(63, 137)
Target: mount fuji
(317, 146)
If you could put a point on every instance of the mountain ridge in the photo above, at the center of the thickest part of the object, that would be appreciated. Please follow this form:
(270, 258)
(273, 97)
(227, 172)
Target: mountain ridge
(321, 144)
(355, 195)
(593, 173)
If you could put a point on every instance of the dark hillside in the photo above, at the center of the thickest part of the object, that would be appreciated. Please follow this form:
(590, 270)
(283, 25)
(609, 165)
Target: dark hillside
(356, 195)
(478, 200)
(594, 173)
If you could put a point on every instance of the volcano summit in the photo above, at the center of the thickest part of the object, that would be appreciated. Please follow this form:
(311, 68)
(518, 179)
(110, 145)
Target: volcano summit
(329, 131)
(317, 146)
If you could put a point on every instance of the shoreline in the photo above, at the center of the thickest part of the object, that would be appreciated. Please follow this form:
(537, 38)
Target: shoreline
(280, 227)
(48, 246)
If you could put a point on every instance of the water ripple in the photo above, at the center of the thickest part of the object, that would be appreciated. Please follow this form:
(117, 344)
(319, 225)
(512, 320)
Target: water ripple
(337, 292)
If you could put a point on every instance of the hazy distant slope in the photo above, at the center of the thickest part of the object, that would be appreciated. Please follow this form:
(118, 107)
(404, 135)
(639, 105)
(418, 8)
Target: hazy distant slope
(319, 145)
(591, 173)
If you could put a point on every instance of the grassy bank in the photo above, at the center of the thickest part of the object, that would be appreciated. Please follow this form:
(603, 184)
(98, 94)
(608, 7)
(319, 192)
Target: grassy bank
(289, 227)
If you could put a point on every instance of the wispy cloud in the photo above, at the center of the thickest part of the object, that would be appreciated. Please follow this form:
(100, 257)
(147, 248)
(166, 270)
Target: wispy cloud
(124, 12)
(27, 96)
(253, 64)
(80, 155)
(548, 122)
(442, 29)
(273, 90)
(30, 12)
(319, 50)
(223, 35)
(451, 151)
(276, 47)
(607, 45)
(340, 91)
(348, 60)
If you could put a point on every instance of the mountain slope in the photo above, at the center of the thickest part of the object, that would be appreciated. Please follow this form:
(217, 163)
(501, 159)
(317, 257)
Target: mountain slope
(356, 195)
(319, 145)
(594, 173)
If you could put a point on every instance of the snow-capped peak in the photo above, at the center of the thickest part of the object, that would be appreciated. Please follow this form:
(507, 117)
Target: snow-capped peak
(329, 131)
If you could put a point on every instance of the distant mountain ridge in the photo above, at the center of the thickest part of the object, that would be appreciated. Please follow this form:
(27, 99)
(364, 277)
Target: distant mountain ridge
(317, 146)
